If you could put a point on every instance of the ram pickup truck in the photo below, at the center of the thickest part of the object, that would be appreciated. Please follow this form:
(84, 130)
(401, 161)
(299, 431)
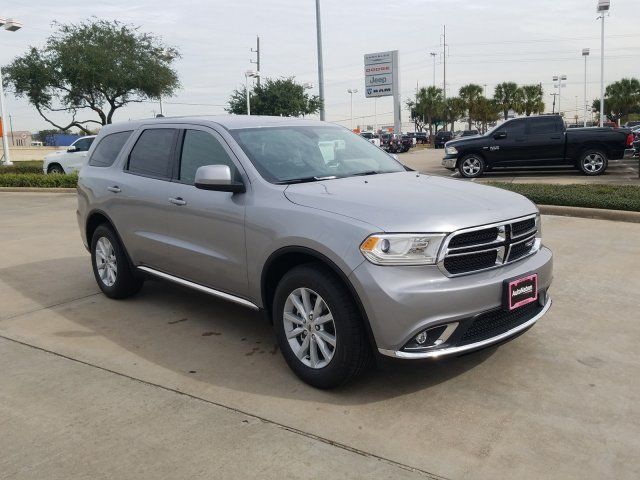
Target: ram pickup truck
(538, 141)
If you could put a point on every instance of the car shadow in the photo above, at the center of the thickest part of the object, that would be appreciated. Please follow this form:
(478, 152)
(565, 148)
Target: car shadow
(197, 336)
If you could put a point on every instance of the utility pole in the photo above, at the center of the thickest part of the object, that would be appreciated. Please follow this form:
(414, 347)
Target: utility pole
(485, 90)
(603, 9)
(257, 60)
(444, 61)
(13, 141)
(585, 54)
(320, 66)
(553, 109)
(434, 55)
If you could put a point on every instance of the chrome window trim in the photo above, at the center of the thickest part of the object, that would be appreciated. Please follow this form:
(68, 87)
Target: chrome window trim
(443, 352)
(503, 251)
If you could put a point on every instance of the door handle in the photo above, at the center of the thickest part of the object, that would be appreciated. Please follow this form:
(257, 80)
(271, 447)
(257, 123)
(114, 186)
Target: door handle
(114, 189)
(177, 201)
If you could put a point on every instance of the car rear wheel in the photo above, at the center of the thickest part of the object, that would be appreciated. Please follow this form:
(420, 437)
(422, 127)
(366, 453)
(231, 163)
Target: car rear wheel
(319, 328)
(471, 166)
(55, 169)
(111, 266)
(593, 162)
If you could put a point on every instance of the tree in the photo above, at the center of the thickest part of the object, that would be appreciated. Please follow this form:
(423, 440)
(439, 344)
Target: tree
(279, 97)
(97, 67)
(487, 111)
(531, 100)
(507, 95)
(428, 105)
(470, 94)
(622, 98)
(453, 110)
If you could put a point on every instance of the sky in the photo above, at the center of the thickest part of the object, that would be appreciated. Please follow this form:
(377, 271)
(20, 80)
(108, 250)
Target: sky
(490, 41)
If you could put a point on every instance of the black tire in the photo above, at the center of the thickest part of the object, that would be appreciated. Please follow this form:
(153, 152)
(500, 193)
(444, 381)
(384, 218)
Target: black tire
(471, 166)
(126, 283)
(593, 162)
(352, 353)
(55, 168)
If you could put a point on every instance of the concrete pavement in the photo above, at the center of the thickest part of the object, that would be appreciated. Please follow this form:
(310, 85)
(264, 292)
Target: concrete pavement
(103, 396)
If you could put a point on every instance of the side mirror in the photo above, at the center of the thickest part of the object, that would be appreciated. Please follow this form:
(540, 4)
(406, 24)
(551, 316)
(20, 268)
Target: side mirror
(499, 135)
(217, 177)
(72, 148)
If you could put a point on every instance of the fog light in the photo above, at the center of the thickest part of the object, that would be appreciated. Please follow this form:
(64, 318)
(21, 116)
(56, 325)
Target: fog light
(421, 338)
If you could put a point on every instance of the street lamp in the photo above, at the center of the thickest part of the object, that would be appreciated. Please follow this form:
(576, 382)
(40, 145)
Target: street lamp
(320, 65)
(247, 74)
(10, 25)
(351, 91)
(585, 54)
(560, 85)
(603, 8)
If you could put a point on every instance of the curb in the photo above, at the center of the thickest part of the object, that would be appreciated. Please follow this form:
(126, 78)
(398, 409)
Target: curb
(37, 190)
(596, 213)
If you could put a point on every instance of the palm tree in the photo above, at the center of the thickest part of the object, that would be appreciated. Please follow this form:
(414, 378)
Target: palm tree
(470, 94)
(430, 99)
(487, 111)
(622, 97)
(453, 109)
(530, 100)
(507, 95)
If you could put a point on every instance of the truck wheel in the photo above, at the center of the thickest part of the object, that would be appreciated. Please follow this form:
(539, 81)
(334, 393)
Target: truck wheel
(593, 162)
(471, 166)
(55, 168)
(111, 265)
(319, 328)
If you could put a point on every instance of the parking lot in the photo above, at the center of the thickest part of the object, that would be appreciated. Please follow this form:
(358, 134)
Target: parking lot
(619, 172)
(176, 384)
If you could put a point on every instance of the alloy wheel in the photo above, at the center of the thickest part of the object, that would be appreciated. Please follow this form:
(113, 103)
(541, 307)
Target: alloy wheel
(593, 162)
(106, 262)
(309, 328)
(471, 166)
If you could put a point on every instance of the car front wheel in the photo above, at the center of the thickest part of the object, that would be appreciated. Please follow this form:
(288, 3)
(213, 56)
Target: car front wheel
(319, 328)
(471, 166)
(55, 169)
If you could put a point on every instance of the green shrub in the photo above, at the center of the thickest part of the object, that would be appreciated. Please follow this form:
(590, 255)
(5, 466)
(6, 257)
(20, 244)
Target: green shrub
(38, 180)
(613, 197)
(22, 167)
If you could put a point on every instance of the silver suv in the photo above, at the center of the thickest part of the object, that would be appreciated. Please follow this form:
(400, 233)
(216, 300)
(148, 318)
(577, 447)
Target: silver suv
(349, 253)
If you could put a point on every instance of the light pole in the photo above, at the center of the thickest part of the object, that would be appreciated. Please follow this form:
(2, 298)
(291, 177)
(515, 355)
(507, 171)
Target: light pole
(585, 54)
(351, 91)
(10, 25)
(320, 66)
(247, 74)
(560, 85)
(603, 8)
(434, 55)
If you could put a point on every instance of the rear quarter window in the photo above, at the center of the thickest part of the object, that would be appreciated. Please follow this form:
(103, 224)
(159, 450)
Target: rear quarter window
(108, 149)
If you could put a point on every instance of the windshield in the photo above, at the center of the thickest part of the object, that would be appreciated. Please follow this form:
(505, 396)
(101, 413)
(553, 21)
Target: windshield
(290, 154)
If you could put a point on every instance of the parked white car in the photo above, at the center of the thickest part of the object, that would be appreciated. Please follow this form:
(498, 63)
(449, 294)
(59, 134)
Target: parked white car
(70, 160)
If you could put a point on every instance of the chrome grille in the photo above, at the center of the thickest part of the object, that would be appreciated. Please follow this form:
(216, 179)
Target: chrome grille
(489, 246)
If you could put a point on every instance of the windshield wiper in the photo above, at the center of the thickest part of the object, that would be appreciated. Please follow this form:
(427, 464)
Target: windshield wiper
(368, 172)
(305, 180)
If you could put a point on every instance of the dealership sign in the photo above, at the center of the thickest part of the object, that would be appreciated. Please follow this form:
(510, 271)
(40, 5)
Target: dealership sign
(382, 79)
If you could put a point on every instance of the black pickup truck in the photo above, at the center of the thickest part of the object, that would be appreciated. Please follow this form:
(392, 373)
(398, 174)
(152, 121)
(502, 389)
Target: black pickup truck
(537, 141)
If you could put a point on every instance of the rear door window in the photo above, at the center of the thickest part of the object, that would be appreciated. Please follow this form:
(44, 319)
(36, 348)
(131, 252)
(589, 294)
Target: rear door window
(108, 149)
(542, 126)
(153, 153)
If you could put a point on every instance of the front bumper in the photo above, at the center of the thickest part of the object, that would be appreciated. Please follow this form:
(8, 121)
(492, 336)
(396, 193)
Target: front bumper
(400, 302)
(449, 162)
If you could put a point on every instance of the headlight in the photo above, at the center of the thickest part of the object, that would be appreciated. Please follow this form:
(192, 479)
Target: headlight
(451, 150)
(402, 248)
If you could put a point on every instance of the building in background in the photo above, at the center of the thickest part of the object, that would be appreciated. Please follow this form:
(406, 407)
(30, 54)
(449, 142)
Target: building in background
(19, 138)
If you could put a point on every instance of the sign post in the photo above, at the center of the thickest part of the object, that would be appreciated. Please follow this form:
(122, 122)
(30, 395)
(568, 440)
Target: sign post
(382, 79)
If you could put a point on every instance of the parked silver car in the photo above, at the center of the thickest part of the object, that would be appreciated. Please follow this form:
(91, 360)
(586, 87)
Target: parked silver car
(349, 253)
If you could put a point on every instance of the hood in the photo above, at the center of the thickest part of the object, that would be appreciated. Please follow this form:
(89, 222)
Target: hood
(411, 202)
(462, 140)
